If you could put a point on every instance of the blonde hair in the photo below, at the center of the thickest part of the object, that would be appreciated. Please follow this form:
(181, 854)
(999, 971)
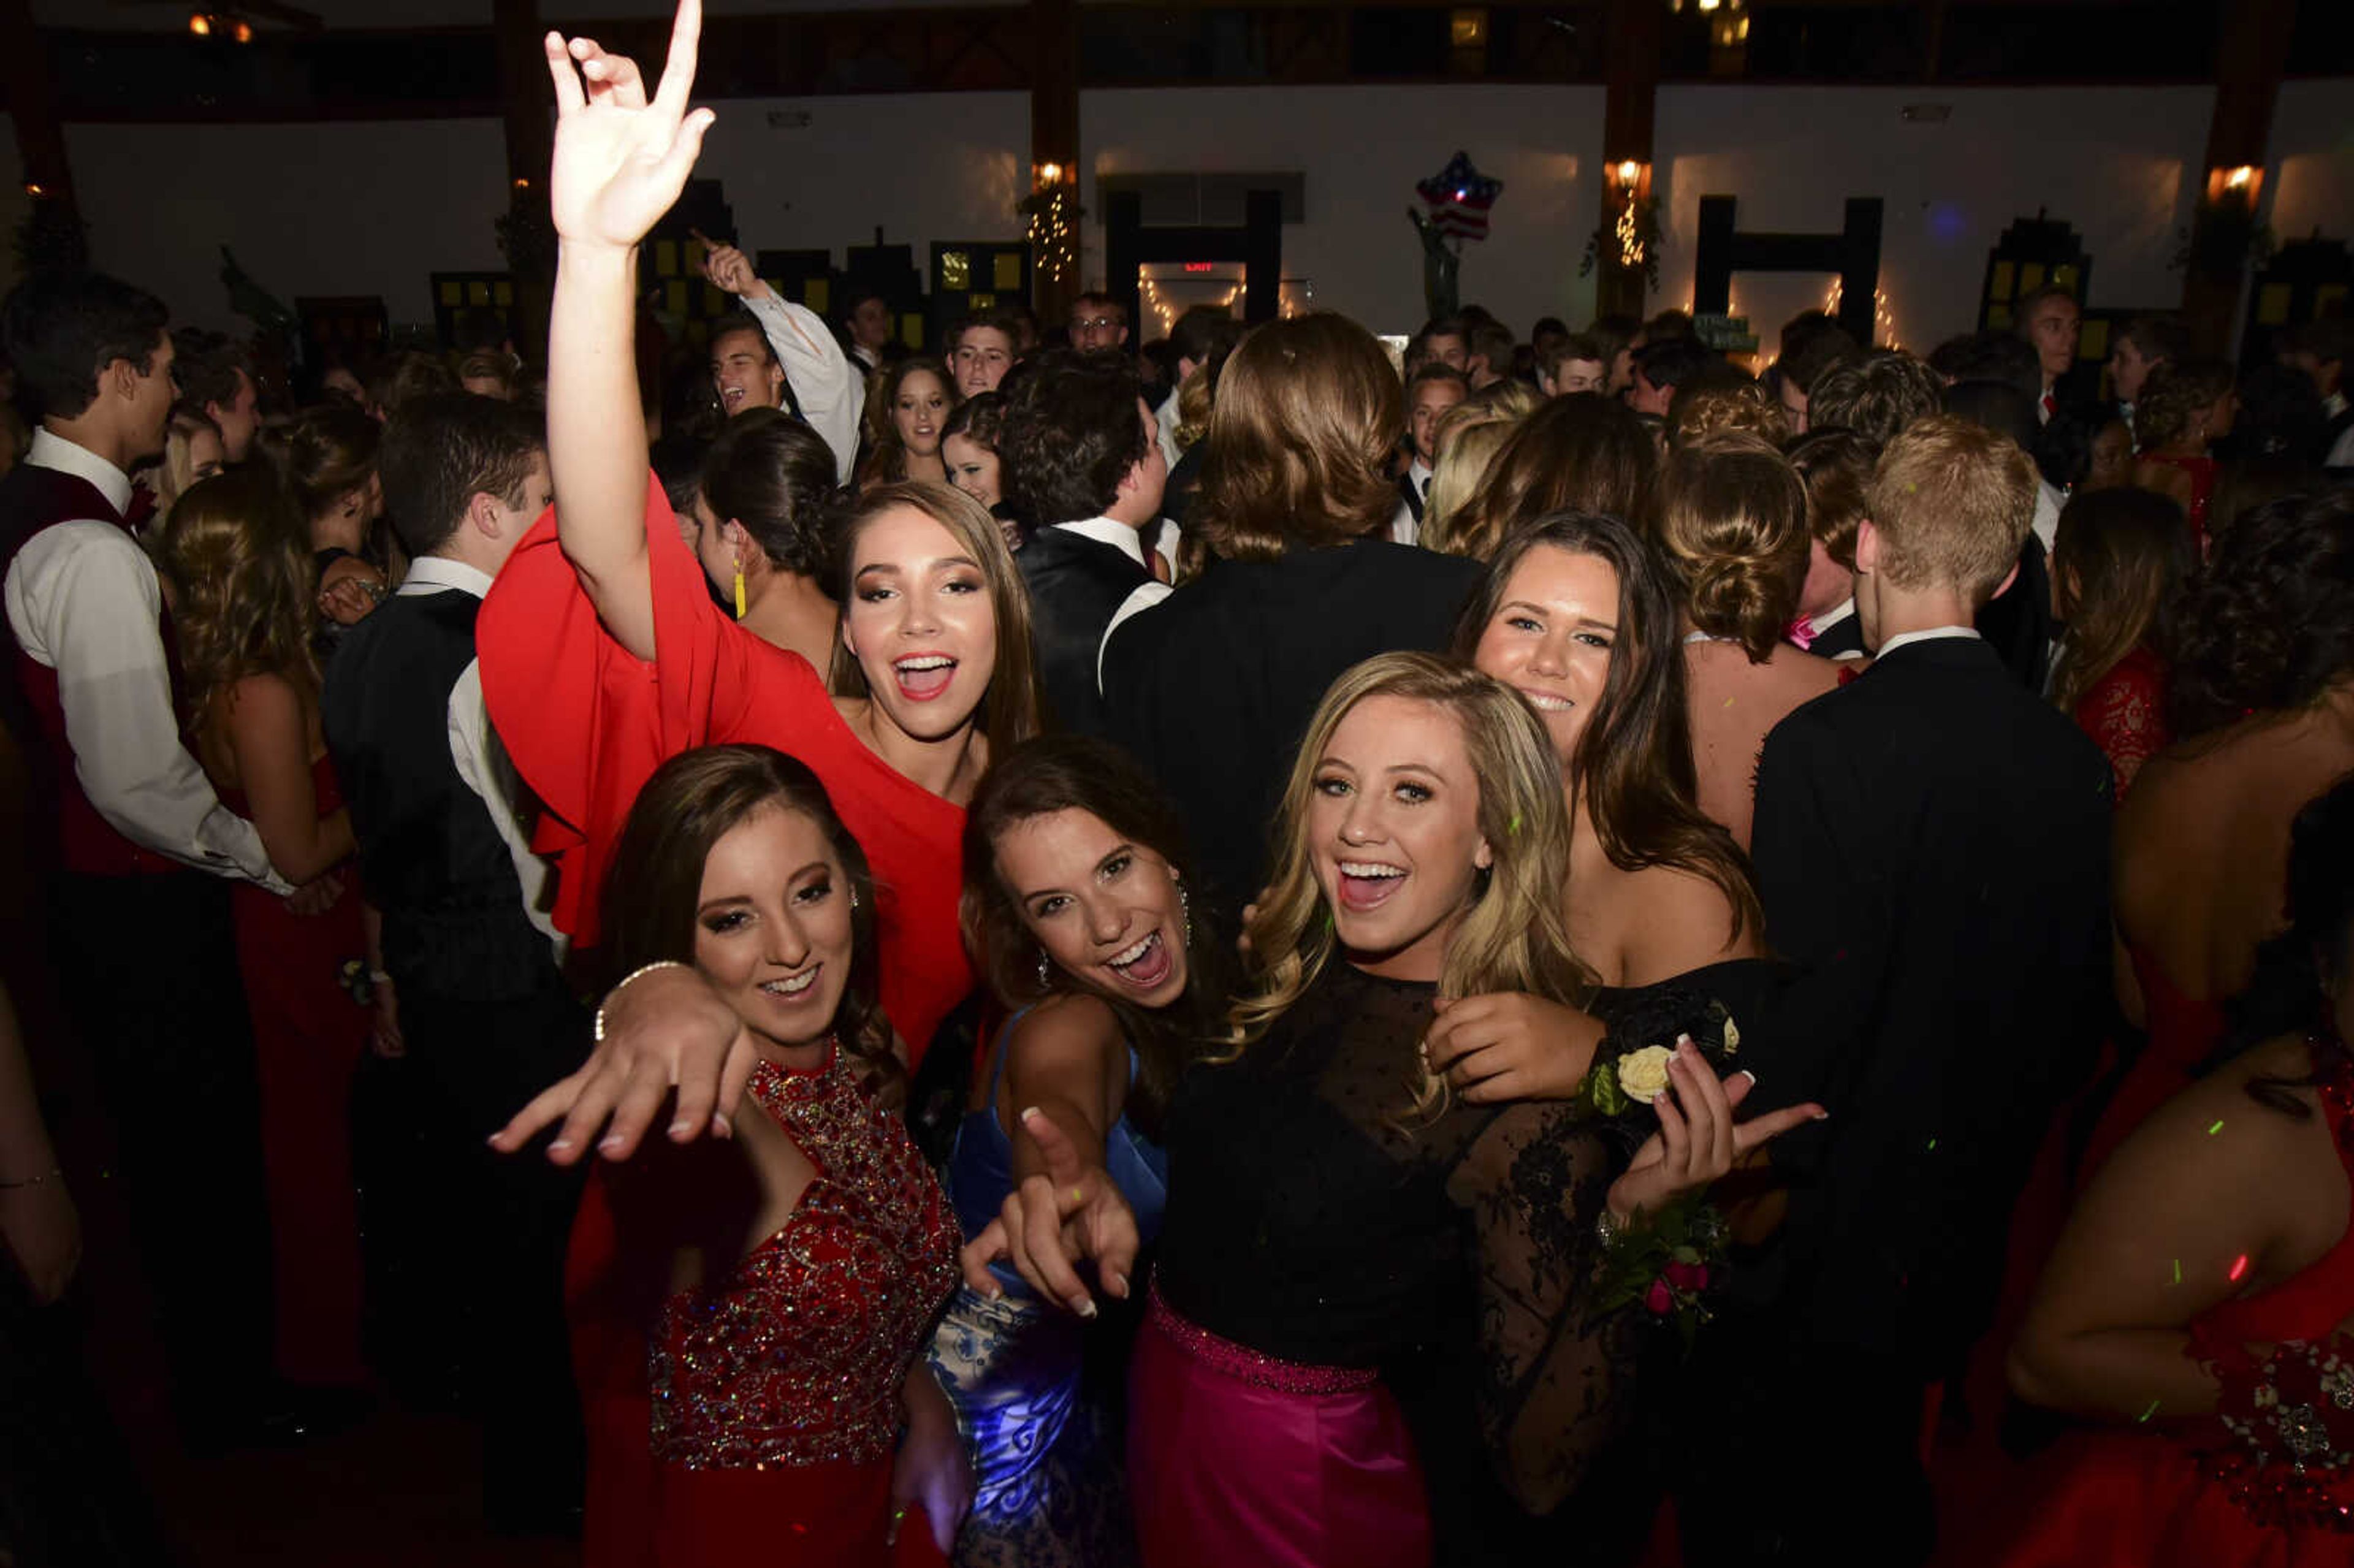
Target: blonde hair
(1512, 937)
(1952, 502)
(1720, 408)
(1733, 524)
(175, 471)
(1467, 450)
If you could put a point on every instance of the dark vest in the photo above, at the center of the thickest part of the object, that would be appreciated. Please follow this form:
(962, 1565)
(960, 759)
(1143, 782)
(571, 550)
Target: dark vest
(33, 500)
(430, 857)
(1077, 586)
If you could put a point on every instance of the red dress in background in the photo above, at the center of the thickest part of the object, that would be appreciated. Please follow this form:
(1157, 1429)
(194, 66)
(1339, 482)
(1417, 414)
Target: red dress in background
(2193, 1497)
(2125, 713)
(587, 723)
(2182, 1033)
(767, 1413)
(308, 1034)
(2200, 471)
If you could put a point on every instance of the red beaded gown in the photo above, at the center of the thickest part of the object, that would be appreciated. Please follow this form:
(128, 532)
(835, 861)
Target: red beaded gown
(775, 1388)
(586, 723)
(308, 1036)
(2201, 1497)
(2125, 713)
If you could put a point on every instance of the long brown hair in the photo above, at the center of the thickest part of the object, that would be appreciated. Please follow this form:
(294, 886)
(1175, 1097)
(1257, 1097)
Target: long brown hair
(1308, 414)
(1583, 452)
(1009, 713)
(886, 459)
(656, 882)
(2118, 561)
(240, 561)
(1513, 935)
(1632, 770)
(1051, 773)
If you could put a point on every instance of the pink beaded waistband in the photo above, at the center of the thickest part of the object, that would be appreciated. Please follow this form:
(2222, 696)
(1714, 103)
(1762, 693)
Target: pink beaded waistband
(1246, 1365)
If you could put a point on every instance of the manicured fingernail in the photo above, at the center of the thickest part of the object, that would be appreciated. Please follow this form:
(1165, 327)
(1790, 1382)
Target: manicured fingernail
(1118, 1284)
(1029, 1111)
(1086, 1309)
(1746, 1073)
(721, 1127)
(680, 1129)
(561, 1146)
(1822, 1116)
(610, 1143)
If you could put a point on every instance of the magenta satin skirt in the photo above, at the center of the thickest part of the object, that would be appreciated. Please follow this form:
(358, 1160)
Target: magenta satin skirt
(1237, 1457)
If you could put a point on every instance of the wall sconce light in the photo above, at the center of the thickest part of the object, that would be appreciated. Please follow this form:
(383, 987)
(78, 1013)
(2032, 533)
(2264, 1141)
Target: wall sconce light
(1627, 175)
(523, 185)
(200, 24)
(1048, 174)
(1467, 28)
(2240, 185)
(242, 32)
(34, 189)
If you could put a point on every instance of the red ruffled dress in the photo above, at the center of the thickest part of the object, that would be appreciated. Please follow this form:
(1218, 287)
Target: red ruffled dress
(587, 723)
(2204, 1497)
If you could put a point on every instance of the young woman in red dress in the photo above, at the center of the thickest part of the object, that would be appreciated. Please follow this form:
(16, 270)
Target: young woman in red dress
(2200, 1301)
(2116, 563)
(603, 656)
(242, 584)
(781, 1283)
(602, 653)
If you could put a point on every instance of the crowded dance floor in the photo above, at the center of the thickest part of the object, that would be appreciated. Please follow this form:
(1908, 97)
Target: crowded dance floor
(1166, 894)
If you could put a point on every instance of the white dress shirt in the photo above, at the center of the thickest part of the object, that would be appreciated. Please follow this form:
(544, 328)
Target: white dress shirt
(829, 391)
(1164, 420)
(1406, 528)
(2341, 451)
(475, 747)
(1123, 538)
(2047, 512)
(83, 600)
(1927, 634)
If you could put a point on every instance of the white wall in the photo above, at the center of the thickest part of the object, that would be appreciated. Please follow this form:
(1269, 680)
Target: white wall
(2309, 182)
(926, 166)
(354, 208)
(374, 208)
(2121, 164)
(1362, 148)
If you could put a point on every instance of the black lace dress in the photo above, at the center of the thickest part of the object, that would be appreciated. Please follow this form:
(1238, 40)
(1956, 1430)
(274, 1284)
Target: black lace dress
(1313, 1217)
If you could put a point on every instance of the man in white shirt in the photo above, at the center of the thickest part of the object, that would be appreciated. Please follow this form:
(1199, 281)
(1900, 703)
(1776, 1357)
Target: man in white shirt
(1430, 391)
(2048, 319)
(141, 943)
(783, 356)
(981, 349)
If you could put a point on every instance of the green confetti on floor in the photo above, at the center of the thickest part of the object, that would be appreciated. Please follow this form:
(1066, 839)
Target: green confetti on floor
(2177, 1271)
(1933, 1146)
(2151, 1411)
(2217, 1127)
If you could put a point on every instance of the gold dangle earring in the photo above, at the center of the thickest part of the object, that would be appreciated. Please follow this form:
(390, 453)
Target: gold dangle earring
(740, 590)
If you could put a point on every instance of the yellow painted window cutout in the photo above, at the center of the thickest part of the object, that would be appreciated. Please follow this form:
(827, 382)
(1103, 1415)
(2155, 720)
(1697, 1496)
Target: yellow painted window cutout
(454, 293)
(956, 270)
(2271, 305)
(2004, 279)
(911, 330)
(818, 294)
(1008, 276)
(983, 303)
(503, 293)
(665, 258)
(2030, 276)
(674, 296)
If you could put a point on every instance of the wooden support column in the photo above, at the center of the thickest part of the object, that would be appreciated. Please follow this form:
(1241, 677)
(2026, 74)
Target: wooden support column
(1630, 96)
(40, 140)
(1055, 139)
(2252, 50)
(527, 106)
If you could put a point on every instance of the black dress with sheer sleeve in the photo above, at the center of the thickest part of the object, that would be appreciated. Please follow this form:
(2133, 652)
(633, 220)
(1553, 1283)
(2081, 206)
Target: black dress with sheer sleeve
(1313, 1216)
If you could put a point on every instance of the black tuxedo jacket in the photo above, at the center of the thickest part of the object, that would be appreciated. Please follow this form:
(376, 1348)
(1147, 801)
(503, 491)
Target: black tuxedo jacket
(1931, 843)
(1212, 688)
(1840, 638)
(1077, 586)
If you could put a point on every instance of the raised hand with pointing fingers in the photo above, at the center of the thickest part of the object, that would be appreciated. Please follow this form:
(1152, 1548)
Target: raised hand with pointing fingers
(621, 158)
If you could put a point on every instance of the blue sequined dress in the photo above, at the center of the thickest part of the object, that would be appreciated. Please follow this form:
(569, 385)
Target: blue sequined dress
(1048, 1486)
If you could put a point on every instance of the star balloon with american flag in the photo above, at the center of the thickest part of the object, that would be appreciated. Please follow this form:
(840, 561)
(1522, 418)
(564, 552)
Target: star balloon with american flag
(1458, 197)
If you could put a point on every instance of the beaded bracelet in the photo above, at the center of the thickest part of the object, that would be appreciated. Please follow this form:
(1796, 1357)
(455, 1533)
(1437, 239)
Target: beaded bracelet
(597, 1030)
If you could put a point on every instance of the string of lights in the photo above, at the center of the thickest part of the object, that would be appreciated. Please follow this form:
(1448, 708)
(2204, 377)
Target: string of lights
(1883, 319)
(1053, 231)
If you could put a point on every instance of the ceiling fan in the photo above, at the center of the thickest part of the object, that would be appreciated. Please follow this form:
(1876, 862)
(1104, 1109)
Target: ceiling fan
(237, 20)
